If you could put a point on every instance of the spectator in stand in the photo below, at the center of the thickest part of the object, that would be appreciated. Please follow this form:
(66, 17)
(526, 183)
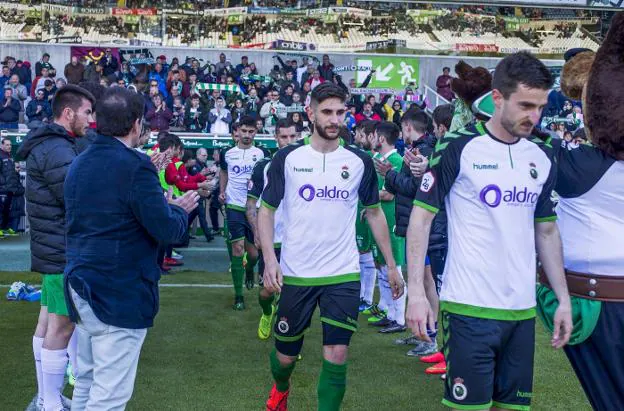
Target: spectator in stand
(272, 111)
(302, 69)
(44, 63)
(394, 112)
(195, 116)
(38, 110)
(49, 90)
(19, 91)
(125, 74)
(367, 114)
(159, 115)
(6, 75)
(10, 187)
(173, 93)
(243, 64)
(39, 81)
(305, 76)
(442, 118)
(22, 69)
(253, 103)
(260, 127)
(60, 83)
(162, 60)
(326, 69)
(18, 205)
(238, 110)
(74, 71)
(109, 63)
(9, 110)
(220, 118)
(223, 66)
(93, 72)
(443, 84)
(177, 110)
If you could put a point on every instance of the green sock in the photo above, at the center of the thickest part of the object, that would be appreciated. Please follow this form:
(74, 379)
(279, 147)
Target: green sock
(331, 386)
(281, 375)
(238, 272)
(266, 304)
(229, 248)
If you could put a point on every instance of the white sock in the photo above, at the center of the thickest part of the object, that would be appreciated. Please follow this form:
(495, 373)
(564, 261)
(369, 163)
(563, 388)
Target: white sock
(37, 343)
(385, 293)
(399, 304)
(72, 351)
(368, 275)
(54, 363)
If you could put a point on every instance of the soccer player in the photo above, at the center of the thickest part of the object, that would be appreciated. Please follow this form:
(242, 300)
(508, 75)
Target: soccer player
(318, 182)
(385, 137)
(236, 167)
(364, 134)
(49, 151)
(496, 186)
(285, 134)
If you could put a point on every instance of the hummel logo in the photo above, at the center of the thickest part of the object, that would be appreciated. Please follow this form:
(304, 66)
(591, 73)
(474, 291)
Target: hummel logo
(303, 170)
(485, 166)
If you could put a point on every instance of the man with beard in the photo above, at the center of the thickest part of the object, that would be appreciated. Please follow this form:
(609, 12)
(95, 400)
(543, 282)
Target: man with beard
(49, 151)
(496, 186)
(236, 167)
(318, 182)
(285, 134)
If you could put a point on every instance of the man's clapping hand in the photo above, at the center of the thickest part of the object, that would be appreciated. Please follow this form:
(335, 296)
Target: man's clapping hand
(188, 202)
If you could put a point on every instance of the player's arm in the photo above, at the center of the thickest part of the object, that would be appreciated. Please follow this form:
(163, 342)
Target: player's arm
(379, 227)
(434, 186)
(550, 253)
(272, 196)
(254, 190)
(223, 179)
(385, 196)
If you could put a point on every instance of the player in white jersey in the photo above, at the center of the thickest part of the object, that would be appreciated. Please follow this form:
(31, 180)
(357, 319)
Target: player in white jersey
(285, 134)
(318, 182)
(496, 186)
(236, 168)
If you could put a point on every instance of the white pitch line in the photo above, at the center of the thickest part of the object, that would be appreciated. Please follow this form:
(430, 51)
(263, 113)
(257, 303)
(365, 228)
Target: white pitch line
(165, 285)
(183, 250)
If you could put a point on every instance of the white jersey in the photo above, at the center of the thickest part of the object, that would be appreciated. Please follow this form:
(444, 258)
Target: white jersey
(494, 192)
(239, 164)
(257, 184)
(590, 209)
(319, 195)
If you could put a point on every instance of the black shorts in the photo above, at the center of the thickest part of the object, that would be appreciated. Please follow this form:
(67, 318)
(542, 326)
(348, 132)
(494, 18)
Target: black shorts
(278, 251)
(338, 303)
(489, 362)
(238, 226)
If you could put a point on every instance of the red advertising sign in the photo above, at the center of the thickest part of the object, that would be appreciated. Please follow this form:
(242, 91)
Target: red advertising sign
(118, 11)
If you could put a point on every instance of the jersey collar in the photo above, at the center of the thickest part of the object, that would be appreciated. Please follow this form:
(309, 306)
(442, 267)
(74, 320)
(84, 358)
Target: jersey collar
(388, 154)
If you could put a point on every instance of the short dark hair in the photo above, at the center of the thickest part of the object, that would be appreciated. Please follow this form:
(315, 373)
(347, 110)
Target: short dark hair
(443, 115)
(418, 119)
(367, 126)
(168, 141)
(446, 68)
(94, 88)
(5, 139)
(389, 131)
(118, 110)
(248, 121)
(283, 123)
(326, 91)
(188, 155)
(521, 68)
(70, 96)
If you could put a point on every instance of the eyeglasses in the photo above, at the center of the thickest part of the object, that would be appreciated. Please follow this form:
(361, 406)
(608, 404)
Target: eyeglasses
(154, 85)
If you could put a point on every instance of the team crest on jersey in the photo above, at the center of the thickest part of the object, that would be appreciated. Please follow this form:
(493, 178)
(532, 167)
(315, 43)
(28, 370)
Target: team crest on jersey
(428, 180)
(283, 326)
(249, 185)
(533, 171)
(345, 172)
(459, 390)
(254, 158)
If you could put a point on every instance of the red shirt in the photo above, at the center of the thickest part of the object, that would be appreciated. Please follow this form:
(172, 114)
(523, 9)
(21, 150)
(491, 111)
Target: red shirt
(181, 178)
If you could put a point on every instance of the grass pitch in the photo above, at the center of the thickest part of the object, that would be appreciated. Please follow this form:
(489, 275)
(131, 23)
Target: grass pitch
(202, 355)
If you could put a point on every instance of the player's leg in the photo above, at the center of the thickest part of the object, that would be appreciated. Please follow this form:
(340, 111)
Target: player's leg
(470, 346)
(598, 363)
(368, 275)
(265, 299)
(385, 299)
(54, 350)
(513, 382)
(237, 233)
(429, 350)
(37, 343)
(294, 314)
(252, 258)
(339, 311)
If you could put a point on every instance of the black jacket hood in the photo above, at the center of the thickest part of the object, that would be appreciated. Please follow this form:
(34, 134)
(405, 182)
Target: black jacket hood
(41, 134)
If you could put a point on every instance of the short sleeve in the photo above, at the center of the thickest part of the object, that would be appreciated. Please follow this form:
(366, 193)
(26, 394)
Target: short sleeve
(223, 162)
(273, 193)
(368, 191)
(443, 169)
(545, 208)
(256, 183)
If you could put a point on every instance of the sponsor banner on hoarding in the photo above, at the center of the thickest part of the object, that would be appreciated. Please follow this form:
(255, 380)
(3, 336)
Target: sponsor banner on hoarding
(89, 10)
(56, 9)
(491, 48)
(263, 10)
(384, 44)
(351, 10)
(292, 45)
(225, 12)
(119, 11)
(184, 12)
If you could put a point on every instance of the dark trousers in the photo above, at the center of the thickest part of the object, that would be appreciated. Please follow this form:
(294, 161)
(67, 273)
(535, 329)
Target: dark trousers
(437, 259)
(598, 361)
(5, 210)
(215, 206)
(200, 212)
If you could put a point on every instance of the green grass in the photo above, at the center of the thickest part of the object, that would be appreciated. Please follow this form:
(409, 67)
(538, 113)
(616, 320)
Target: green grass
(201, 355)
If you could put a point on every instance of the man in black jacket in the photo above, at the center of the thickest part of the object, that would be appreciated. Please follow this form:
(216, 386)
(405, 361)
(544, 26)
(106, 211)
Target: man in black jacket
(9, 186)
(49, 151)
